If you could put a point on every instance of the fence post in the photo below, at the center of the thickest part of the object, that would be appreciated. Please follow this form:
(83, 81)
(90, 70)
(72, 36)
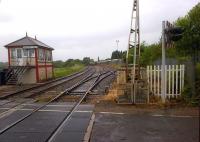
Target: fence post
(158, 69)
(174, 83)
(173, 80)
(176, 80)
(183, 79)
(165, 81)
(151, 78)
(169, 80)
(148, 74)
(154, 79)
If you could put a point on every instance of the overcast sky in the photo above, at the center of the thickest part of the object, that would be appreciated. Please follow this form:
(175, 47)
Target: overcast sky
(79, 28)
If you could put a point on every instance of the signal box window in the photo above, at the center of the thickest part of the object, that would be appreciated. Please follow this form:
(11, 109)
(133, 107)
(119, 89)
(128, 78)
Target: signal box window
(31, 53)
(13, 53)
(19, 53)
(41, 54)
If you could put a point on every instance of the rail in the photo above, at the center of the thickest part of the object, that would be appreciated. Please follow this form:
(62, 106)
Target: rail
(46, 84)
(37, 109)
(98, 78)
(62, 124)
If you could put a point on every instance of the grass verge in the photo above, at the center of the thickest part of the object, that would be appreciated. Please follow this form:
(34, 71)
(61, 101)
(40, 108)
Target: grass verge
(60, 72)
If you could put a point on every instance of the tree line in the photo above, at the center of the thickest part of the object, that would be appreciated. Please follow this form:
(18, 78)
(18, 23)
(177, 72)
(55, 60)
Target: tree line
(72, 62)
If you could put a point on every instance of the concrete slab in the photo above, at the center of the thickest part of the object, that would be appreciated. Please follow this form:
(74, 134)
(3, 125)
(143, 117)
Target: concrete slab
(60, 108)
(42, 123)
(70, 137)
(39, 122)
(36, 126)
(9, 119)
(75, 129)
(31, 106)
(23, 137)
(76, 125)
(82, 115)
(47, 115)
(85, 108)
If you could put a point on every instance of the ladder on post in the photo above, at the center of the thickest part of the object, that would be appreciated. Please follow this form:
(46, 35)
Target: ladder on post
(139, 87)
(136, 87)
(134, 43)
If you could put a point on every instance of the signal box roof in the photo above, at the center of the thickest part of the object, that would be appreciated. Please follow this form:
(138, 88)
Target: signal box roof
(28, 41)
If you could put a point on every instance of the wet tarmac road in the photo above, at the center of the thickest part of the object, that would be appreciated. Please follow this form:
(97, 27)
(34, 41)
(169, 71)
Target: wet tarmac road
(144, 128)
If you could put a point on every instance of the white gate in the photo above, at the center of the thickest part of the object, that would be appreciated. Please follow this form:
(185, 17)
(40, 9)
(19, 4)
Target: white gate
(174, 79)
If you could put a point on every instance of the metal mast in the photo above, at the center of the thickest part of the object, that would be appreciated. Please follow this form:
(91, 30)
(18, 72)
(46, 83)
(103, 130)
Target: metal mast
(134, 42)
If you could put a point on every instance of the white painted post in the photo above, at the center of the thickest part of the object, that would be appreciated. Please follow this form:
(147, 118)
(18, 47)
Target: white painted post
(165, 81)
(174, 74)
(176, 79)
(151, 78)
(154, 79)
(169, 80)
(158, 69)
(163, 85)
(148, 74)
(183, 79)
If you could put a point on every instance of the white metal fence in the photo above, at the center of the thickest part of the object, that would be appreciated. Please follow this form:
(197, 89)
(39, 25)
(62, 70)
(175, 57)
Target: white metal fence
(174, 79)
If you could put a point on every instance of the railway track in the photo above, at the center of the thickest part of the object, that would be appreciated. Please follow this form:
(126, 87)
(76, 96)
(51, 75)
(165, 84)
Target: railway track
(19, 98)
(92, 78)
(41, 88)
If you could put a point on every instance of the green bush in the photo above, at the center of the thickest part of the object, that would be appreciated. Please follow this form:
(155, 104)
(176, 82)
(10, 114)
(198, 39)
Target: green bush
(198, 70)
(198, 81)
(189, 96)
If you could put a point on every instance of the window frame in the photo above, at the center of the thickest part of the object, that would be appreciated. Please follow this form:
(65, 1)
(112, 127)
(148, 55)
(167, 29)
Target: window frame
(41, 56)
(13, 53)
(17, 53)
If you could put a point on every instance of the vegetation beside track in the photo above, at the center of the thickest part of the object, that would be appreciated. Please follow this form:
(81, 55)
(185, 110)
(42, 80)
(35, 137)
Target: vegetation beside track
(64, 71)
(70, 66)
(185, 51)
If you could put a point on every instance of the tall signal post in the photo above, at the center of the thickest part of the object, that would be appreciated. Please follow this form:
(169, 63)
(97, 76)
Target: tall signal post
(163, 72)
(134, 42)
(170, 34)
